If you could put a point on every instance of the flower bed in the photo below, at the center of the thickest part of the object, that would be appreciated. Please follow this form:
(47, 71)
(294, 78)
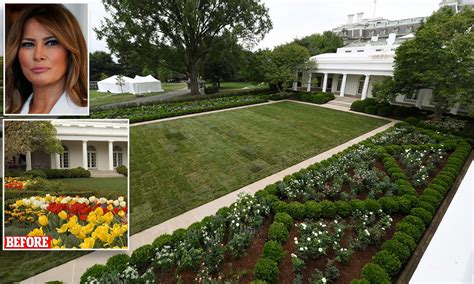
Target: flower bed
(304, 229)
(72, 222)
(16, 183)
(163, 110)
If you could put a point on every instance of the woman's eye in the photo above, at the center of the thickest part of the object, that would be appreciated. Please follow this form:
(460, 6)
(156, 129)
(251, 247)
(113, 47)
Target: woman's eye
(27, 44)
(52, 42)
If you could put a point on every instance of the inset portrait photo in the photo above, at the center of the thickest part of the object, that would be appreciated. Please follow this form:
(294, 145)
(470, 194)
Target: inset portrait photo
(46, 59)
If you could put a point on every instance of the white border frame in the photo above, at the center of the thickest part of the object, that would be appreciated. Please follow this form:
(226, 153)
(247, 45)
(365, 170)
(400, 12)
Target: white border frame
(127, 121)
(87, 37)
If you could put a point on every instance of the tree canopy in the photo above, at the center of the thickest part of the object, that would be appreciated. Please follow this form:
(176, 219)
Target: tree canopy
(24, 136)
(179, 33)
(326, 42)
(102, 65)
(282, 63)
(441, 58)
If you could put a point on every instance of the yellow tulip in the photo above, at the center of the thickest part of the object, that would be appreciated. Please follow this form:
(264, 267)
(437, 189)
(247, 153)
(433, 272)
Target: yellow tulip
(116, 231)
(63, 229)
(121, 213)
(107, 218)
(62, 215)
(99, 212)
(110, 207)
(88, 243)
(87, 229)
(43, 220)
(92, 218)
(36, 232)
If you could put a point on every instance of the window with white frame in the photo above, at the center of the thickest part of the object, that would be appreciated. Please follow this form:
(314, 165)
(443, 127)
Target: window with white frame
(118, 156)
(339, 84)
(412, 97)
(91, 157)
(360, 88)
(64, 158)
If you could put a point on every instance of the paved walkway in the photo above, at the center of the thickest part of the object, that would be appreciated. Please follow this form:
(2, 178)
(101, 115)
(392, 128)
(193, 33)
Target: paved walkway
(157, 98)
(71, 272)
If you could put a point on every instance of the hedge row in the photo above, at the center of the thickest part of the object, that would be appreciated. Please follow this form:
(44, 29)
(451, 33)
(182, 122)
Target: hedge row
(316, 98)
(266, 268)
(51, 173)
(371, 106)
(396, 252)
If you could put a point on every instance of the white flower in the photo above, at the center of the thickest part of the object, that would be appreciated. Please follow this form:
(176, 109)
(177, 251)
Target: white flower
(123, 204)
(103, 200)
(335, 221)
(116, 203)
(323, 279)
(120, 199)
(294, 255)
(308, 239)
(92, 199)
(296, 242)
(367, 232)
(320, 249)
(301, 248)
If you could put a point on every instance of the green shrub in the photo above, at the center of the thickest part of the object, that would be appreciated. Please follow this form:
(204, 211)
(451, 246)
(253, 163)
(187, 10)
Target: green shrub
(209, 90)
(375, 274)
(417, 221)
(401, 251)
(118, 262)
(273, 250)
(284, 218)
(357, 204)
(370, 101)
(278, 232)
(390, 205)
(412, 120)
(312, 209)
(410, 230)
(296, 210)
(435, 202)
(438, 188)
(406, 202)
(36, 173)
(358, 106)
(372, 205)
(427, 206)
(266, 270)
(328, 210)
(141, 257)
(384, 111)
(67, 173)
(343, 208)
(387, 261)
(423, 214)
(405, 239)
(370, 109)
(122, 170)
(163, 240)
(331, 272)
(95, 271)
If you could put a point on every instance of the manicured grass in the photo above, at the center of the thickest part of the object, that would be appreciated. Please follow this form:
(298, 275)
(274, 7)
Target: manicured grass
(115, 185)
(98, 98)
(179, 165)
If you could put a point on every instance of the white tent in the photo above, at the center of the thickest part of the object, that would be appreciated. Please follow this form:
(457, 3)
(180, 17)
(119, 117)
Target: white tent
(137, 85)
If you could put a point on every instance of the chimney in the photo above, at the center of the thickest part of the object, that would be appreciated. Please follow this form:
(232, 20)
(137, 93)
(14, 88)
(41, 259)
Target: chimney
(350, 18)
(359, 17)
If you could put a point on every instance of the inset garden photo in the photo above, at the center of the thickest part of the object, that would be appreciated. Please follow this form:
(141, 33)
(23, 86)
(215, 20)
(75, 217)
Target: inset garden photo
(66, 184)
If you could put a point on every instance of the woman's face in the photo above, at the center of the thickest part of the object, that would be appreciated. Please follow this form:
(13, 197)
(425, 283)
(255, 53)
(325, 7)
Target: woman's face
(43, 59)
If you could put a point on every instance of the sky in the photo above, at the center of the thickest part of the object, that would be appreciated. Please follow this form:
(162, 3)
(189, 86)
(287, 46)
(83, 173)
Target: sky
(296, 18)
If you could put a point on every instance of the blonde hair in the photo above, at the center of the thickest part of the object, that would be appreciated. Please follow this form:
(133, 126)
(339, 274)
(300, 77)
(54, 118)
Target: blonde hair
(63, 25)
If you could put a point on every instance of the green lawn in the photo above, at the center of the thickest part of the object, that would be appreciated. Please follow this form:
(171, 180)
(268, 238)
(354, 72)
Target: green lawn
(97, 98)
(179, 165)
(116, 185)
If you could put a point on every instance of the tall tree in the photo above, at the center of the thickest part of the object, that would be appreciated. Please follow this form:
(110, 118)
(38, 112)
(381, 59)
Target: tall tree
(321, 43)
(283, 63)
(441, 58)
(180, 32)
(24, 136)
(101, 63)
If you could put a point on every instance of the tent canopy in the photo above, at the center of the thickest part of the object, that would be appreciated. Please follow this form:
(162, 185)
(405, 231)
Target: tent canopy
(137, 85)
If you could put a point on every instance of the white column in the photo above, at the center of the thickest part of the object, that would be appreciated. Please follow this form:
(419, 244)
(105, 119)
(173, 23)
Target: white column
(84, 154)
(343, 84)
(454, 110)
(365, 90)
(295, 86)
(111, 152)
(325, 82)
(28, 161)
(419, 100)
(57, 161)
(308, 88)
(53, 160)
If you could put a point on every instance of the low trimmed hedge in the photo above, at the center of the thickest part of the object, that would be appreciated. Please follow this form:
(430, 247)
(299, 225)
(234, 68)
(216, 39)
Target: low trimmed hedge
(316, 98)
(67, 173)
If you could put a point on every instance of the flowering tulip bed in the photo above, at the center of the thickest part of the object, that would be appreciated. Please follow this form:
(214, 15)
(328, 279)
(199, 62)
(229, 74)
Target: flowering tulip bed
(354, 218)
(72, 222)
(16, 183)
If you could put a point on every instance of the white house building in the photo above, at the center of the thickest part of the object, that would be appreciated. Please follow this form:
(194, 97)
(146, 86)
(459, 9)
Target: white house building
(354, 68)
(99, 145)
